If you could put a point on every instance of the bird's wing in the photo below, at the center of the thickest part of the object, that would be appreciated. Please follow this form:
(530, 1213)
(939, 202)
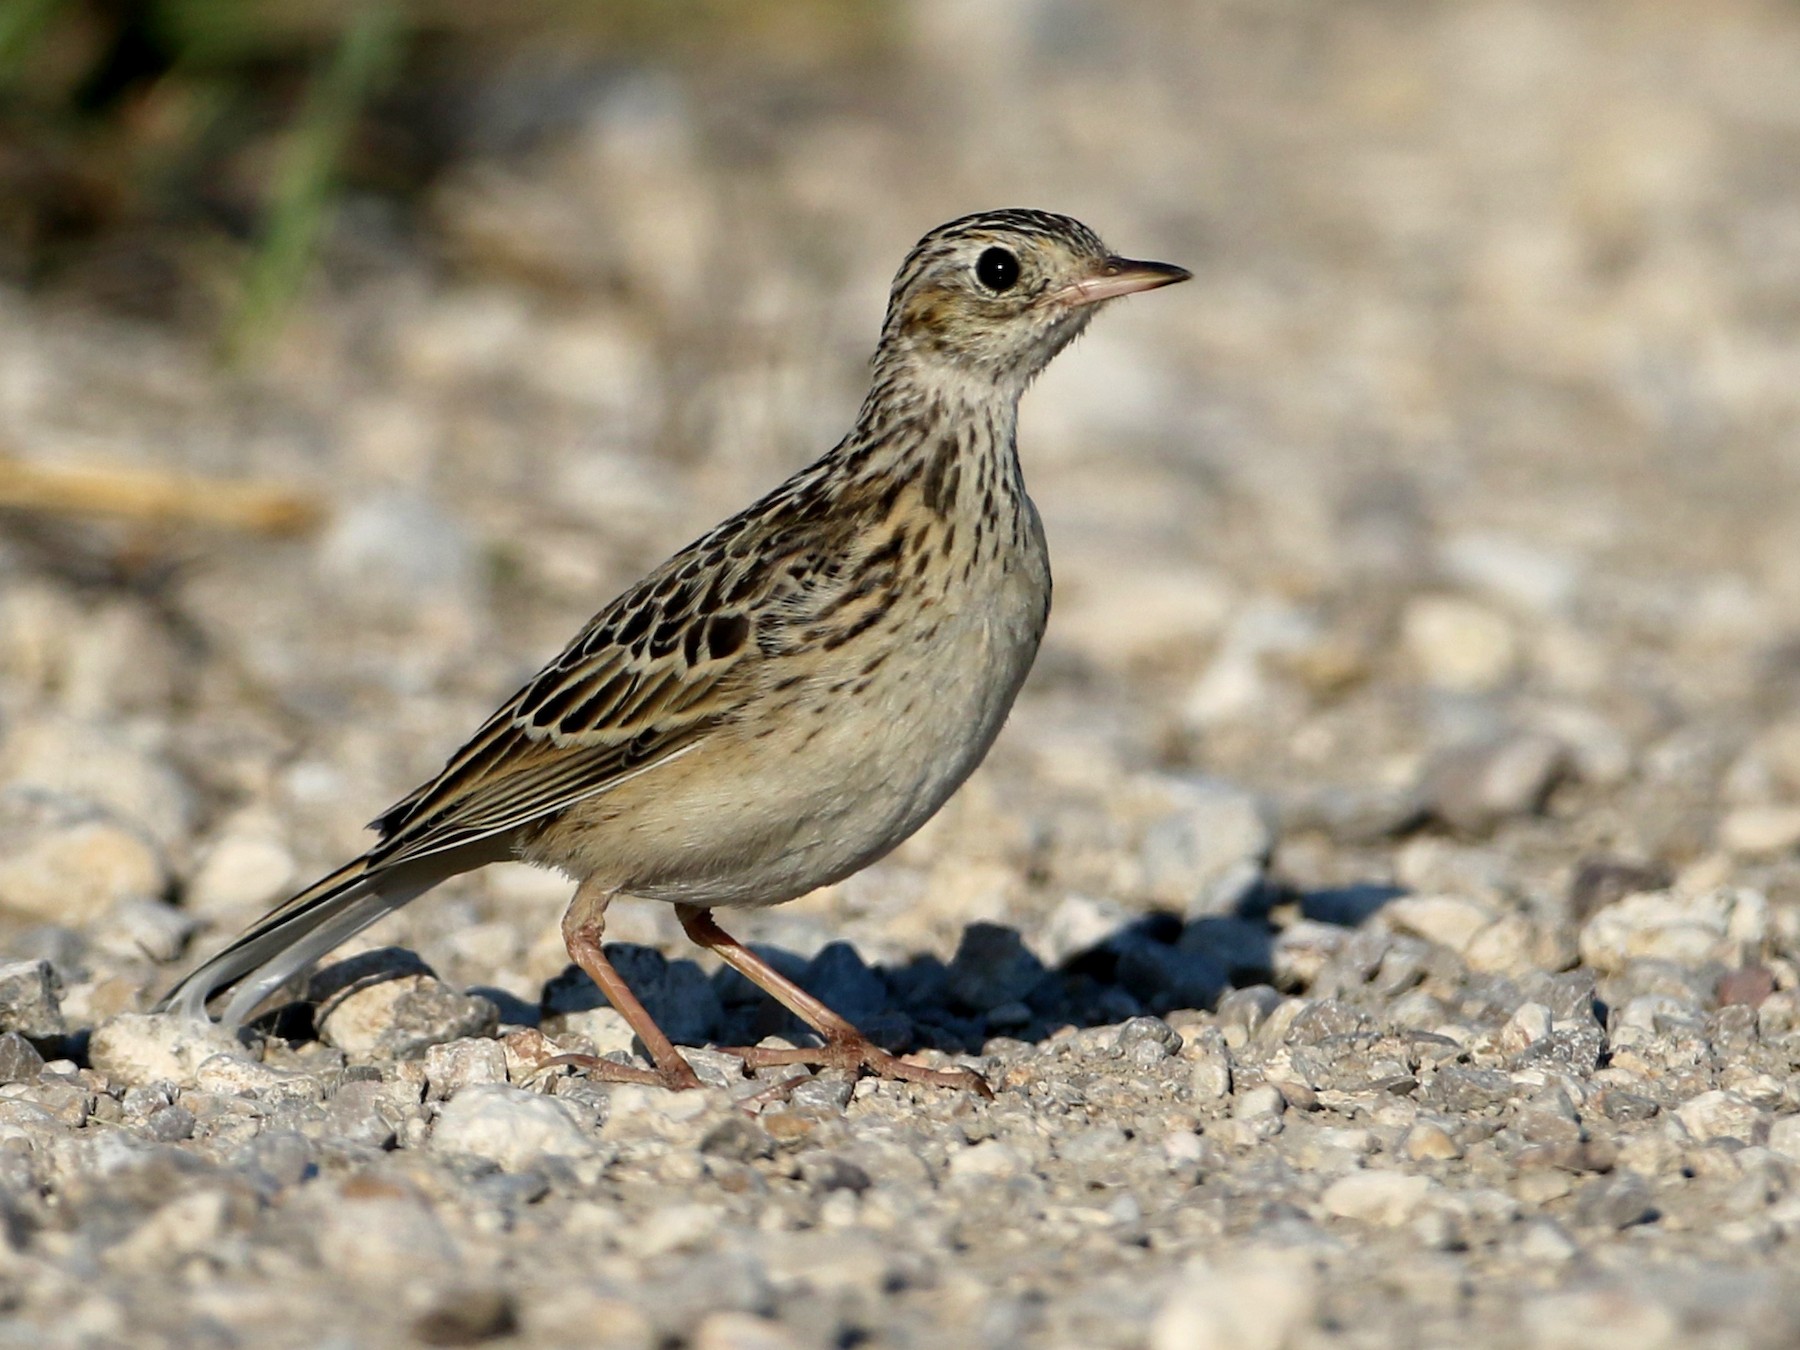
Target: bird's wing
(645, 681)
(649, 676)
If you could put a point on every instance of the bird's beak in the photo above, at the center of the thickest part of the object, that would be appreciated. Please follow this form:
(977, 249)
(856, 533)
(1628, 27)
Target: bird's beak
(1119, 276)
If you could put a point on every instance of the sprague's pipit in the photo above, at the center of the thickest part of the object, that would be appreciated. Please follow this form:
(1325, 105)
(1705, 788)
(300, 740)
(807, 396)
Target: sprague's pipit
(790, 696)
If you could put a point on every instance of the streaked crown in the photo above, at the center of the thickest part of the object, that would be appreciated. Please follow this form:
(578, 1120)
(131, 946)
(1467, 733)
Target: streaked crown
(999, 293)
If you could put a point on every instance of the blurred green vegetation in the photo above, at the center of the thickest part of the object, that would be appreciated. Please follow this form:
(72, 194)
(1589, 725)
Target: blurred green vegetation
(182, 157)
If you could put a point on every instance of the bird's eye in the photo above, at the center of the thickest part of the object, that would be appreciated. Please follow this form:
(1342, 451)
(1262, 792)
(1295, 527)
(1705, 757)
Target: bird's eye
(997, 269)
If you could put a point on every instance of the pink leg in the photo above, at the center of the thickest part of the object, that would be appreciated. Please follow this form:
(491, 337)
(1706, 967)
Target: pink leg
(582, 927)
(845, 1047)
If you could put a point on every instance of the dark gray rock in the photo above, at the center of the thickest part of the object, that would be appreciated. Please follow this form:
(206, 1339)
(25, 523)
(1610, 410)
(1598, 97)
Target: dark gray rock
(1211, 850)
(277, 1159)
(839, 977)
(364, 1112)
(1245, 1010)
(1326, 1020)
(992, 966)
(1465, 1091)
(1602, 881)
(1623, 1200)
(737, 1139)
(1149, 1031)
(1244, 948)
(467, 1315)
(1170, 977)
(19, 1059)
(31, 999)
(823, 1172)
(1355, 814)
(1474, 788)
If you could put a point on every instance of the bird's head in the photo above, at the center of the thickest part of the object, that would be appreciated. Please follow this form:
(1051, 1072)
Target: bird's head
(992, 297)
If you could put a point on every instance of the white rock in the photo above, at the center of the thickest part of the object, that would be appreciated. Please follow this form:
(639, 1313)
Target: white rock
(987, 1161)
(472, 333)
(1654, 1014)
(1511, 570)
(399, 1016)
(1721, 1115)
(605, 1028)
(1302, 951)
(1506, 946)
(1426, 1142)
(1780, 748)
(1079, 924)
(139, 1048)
(453, 1065)
(1233, 685)
(1529, 1024)
(1761, 831)
(247, 866)
(1119, 615)
(237, 1076)
(1259, 1102)
(1388, 1198)
(636, 1110)
(37, 627)
(739, 1331)
(1433, 865)
(1545, 1243)
(1476, 787)
(1183, 1147)
(674, 1228)
(138, 927)
(99, 764)
(1451, 921)
(1726, 925)
(1765, 1090)
(120, 659)
(1459, 644)
(509, 1126)
(394, 551)
(1093, 1145)
(185, 1225)
(65, 860)
(1210, 848)
(1211, 1074)
(1784, 1136)
(1610, 1317)
(378, 1232)
(1262, 1300)
(1600, 755)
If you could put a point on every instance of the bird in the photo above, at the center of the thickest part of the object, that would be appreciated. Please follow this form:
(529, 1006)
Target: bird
(786, 699)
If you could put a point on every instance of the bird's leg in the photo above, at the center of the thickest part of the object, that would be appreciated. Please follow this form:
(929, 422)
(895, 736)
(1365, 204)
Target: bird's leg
(582, 927)
(845, 1047)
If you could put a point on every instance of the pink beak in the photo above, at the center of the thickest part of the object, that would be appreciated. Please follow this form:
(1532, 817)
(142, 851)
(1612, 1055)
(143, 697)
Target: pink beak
(1120, 276)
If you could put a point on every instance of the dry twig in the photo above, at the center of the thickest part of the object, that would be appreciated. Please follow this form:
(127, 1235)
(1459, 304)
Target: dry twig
(150, 496)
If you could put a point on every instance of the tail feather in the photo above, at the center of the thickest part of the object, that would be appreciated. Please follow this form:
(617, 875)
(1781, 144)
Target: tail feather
(296, 934)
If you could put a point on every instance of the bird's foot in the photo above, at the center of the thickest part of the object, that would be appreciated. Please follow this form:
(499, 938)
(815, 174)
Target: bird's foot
(677, 1077)
(862, 1056)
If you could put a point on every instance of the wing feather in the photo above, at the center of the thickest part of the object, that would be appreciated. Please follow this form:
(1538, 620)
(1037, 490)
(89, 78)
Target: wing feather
(644, 681)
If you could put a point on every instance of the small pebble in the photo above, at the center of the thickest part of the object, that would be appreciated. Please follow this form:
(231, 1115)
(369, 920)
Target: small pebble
(510, 1127)
(1386, 1198)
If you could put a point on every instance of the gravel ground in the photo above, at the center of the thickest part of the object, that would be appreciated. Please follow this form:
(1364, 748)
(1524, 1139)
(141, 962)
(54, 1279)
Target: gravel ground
(1380, 918)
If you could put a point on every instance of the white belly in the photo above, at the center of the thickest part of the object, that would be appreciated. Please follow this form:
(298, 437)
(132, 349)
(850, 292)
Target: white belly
(758, 820)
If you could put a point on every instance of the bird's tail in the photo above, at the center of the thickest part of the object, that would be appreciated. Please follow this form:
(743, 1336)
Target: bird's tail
(297, 933)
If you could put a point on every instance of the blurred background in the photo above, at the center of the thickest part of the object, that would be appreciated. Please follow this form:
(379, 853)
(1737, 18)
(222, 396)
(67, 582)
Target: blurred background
(352, 354)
